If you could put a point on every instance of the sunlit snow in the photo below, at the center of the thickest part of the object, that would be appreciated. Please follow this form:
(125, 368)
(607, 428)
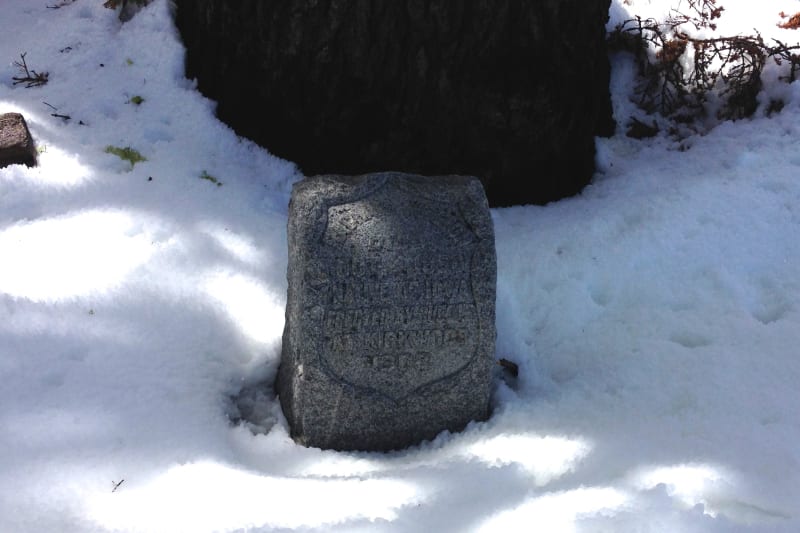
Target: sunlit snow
(655, 318)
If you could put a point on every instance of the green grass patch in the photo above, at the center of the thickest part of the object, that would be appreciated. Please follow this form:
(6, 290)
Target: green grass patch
(126, 154)
(136, 100)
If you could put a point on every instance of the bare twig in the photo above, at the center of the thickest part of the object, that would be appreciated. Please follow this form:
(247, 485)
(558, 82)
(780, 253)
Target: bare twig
(116, 485)
(782, 52)
(31, 78)
(677, 79)
(55, 113)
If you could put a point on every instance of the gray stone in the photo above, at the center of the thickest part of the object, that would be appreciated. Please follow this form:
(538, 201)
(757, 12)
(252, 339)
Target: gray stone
(390, 318)
(16, 144)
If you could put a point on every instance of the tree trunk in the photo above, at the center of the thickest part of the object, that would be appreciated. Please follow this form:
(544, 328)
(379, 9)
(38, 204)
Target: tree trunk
(511, 91)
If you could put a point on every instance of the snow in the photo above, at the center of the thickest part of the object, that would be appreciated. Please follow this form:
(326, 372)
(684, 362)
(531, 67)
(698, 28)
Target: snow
(654, 318)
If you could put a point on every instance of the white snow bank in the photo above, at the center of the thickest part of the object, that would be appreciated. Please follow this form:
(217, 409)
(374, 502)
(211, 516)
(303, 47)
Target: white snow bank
(654, 319)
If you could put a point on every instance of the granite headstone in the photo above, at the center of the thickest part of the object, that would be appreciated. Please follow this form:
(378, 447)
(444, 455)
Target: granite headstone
(390, 317)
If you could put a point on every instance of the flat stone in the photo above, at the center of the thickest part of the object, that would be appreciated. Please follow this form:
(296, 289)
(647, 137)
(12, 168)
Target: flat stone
(16, 144)
(390, 317)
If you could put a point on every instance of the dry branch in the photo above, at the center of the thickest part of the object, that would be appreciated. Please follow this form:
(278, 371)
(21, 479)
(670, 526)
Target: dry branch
(677, 79)
(31, 78)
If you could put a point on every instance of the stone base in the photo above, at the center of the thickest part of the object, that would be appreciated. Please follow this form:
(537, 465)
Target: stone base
(326, 413)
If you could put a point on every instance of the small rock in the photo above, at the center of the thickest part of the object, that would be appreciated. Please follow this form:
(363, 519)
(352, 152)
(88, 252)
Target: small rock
(16, 144)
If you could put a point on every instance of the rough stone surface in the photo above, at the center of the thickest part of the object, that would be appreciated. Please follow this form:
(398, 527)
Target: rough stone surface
(511, 91)
(390, 318)
(16, 144)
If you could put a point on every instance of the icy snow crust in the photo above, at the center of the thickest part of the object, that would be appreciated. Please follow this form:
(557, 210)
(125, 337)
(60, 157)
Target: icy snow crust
(654, 318)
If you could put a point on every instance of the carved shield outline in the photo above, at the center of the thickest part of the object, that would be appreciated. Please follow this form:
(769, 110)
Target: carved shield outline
(355, 193)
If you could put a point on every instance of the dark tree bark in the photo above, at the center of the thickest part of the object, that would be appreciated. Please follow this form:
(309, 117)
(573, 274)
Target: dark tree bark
(511, 91)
